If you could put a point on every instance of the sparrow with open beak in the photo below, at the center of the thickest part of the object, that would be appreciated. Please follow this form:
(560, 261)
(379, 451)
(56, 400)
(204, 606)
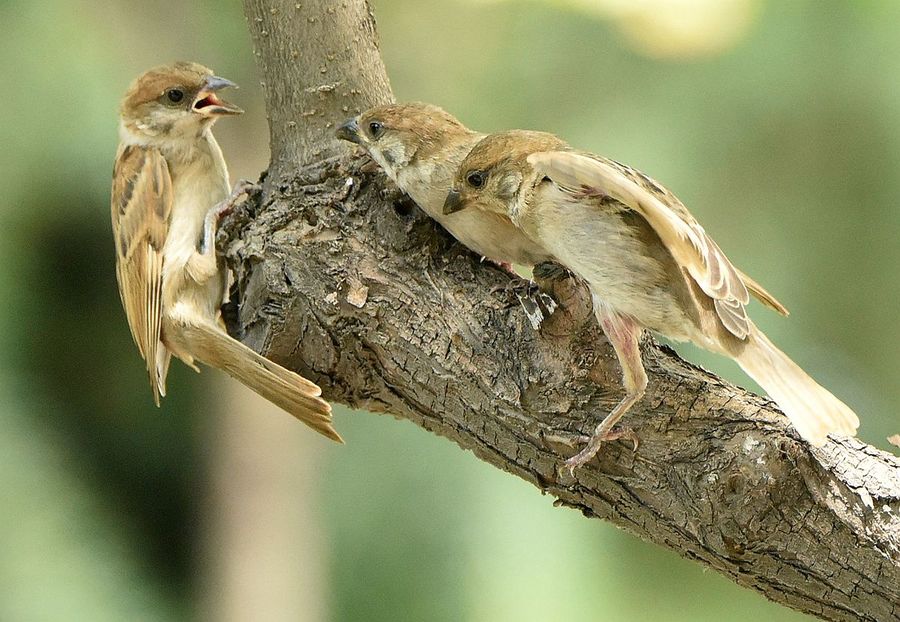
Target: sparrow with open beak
(648, 263)
(420, 146)
(170, 186)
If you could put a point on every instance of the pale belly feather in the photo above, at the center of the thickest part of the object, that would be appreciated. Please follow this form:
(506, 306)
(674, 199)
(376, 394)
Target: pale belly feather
(194, 283)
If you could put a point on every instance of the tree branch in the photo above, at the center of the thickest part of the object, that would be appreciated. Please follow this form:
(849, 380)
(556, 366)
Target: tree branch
(354, 287)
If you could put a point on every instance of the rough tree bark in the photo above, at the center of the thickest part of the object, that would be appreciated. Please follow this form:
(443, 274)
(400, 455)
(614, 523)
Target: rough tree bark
(327, 51)
(350, 284)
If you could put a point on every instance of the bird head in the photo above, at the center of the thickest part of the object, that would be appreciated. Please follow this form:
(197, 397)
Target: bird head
(492, 177)
(175, 101)
(397, 136)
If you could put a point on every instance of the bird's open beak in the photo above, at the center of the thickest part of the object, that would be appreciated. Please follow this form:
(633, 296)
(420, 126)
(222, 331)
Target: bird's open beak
(349, 131)
(208, 103)
(453, 202)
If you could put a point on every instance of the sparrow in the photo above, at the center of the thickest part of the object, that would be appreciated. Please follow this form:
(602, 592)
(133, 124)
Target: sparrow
(648, 263)
(420, 146)
(170, 187)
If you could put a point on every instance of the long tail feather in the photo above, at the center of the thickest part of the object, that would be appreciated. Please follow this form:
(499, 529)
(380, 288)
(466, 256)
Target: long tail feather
(282, 387)
(814, 411)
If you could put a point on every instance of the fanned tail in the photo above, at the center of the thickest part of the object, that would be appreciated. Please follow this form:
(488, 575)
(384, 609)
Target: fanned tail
(814, 411)
(282, 387)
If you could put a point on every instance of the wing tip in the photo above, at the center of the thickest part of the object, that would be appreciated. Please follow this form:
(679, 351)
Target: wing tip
(330, 432)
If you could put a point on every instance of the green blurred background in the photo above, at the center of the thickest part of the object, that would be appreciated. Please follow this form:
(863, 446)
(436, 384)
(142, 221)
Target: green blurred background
(777, 123)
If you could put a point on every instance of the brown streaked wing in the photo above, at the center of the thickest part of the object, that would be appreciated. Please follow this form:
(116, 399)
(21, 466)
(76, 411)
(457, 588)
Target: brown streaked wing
(141, 204)
(682, 235)
(675, 204)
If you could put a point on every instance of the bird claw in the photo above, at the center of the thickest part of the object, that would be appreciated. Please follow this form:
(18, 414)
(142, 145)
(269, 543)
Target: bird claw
(593, 446)
(220, 210)
(537, 305)
(241, 189)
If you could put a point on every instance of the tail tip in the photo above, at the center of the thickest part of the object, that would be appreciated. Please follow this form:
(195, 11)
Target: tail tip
(819, 435)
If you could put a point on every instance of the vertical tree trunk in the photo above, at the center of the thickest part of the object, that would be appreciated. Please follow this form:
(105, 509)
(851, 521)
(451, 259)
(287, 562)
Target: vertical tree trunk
(320, 63)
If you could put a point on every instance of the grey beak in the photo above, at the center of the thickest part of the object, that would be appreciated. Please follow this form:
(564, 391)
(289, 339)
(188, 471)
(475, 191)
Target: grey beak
(453, 203)
(207, 102)
(349, 131)
(215, 83)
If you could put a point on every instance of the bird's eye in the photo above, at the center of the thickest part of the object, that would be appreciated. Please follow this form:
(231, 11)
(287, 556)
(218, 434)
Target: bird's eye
(376, 129)
(175, 96)
(475, 179)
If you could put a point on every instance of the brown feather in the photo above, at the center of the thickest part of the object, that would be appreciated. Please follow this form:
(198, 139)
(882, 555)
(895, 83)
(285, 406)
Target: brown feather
(814, 411)
(141, 204)
(295, 394)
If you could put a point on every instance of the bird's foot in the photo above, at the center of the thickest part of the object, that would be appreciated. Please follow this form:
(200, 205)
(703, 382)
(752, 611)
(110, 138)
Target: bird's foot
(503, 265)
(241, 189)
(536, 304)
(593, 446)
(220, 210)
(538, 307)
